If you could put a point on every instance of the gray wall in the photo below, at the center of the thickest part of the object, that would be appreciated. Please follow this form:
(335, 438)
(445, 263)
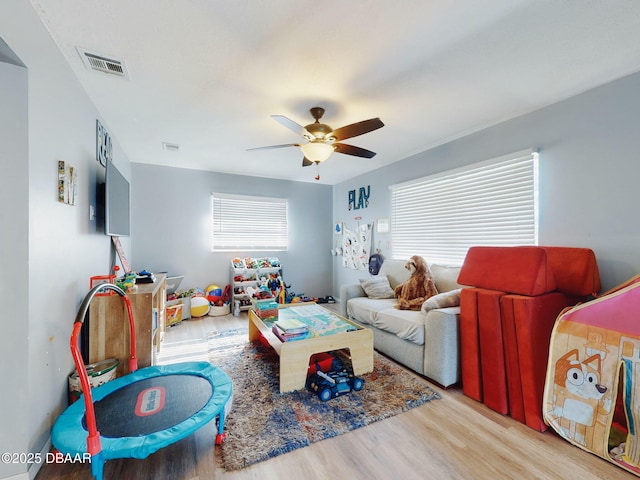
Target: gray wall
(14, 277)
(171, 226)
(49, 249)
(588, 167)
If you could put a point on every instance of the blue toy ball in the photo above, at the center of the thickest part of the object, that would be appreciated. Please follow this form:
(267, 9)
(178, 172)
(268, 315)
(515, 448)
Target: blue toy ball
(213, 290)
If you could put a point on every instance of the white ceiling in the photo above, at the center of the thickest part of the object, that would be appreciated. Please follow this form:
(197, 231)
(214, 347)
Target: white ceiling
(207, 74)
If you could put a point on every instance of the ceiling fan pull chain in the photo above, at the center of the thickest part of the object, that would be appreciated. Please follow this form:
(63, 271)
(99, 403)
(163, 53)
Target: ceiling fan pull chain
(317, 171)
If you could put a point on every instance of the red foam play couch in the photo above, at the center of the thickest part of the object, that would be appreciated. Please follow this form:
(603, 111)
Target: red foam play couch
(507, 312)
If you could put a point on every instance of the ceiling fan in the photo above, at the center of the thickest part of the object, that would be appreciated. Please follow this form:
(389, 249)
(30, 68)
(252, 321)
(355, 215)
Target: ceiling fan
(322, 140)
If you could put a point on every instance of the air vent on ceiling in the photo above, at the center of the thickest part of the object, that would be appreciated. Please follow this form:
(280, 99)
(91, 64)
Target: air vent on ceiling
(94, 61)
(172, 147)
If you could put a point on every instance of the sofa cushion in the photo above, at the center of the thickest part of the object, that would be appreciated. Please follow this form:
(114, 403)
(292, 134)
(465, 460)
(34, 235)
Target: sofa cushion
(383, 314)
(377, 287)
(445, 277)
(395, 271)
(406, 324)
(442, 300)
(365, 310)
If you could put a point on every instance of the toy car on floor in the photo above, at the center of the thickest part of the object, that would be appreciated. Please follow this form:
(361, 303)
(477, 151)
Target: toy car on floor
(333, 383)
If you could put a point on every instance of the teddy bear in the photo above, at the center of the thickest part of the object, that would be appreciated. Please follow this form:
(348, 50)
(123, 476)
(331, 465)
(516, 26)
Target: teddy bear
(420, 285)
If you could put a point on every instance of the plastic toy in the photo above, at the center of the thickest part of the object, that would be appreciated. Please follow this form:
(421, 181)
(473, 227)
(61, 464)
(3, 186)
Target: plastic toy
(219, 297)
(238, 263)
(127, 283)
(199, 306)
(213, 290)
(282, 290)
(327, 299)
(274, 262)
(338, 381)
(260, 294)
(273, 283)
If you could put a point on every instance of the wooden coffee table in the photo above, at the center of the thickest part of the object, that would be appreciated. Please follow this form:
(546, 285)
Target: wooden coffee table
(295, 355)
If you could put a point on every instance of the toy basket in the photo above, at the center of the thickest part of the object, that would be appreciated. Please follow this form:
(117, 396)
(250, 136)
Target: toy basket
(216, 310)
(99, 373)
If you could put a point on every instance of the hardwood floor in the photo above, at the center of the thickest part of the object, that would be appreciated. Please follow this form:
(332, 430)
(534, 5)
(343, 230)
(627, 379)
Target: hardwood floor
(451, 438)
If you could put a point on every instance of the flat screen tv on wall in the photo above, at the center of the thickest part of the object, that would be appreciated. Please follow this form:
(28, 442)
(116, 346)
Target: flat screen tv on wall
(116, 203)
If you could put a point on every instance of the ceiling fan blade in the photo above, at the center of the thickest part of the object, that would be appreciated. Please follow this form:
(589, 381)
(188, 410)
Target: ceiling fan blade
(291, 125)
(351, 150)
(275, 146)
(356, 129)
(306, 162)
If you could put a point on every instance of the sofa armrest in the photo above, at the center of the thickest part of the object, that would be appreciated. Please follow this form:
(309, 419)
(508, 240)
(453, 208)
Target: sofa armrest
(347, 292)
(442, 345)
(442, 300)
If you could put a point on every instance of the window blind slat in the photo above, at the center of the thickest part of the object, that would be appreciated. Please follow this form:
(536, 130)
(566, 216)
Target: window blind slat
(491, 203)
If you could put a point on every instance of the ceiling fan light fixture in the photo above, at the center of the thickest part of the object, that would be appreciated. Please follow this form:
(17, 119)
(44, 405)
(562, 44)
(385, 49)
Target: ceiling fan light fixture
(322, 140)
(317, 151)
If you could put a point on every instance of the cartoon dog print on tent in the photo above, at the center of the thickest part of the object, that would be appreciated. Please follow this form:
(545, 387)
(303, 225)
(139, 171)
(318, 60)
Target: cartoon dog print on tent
(592, 388)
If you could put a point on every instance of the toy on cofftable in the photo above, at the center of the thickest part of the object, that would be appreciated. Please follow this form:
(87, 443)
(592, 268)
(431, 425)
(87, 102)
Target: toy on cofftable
(338, 381)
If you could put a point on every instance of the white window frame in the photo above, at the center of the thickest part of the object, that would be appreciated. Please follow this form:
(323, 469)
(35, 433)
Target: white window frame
(248, 223)
(440, 216)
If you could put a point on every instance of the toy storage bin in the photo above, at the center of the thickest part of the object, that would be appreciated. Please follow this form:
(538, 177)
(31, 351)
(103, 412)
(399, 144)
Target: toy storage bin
(99, 373)
(173, 314)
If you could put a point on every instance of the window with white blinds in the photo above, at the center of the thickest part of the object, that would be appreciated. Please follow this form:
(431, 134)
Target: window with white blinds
(487, 203)
(248, 223)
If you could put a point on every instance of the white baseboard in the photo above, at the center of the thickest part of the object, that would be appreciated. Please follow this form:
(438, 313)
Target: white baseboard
(35, 468)
(20, 476)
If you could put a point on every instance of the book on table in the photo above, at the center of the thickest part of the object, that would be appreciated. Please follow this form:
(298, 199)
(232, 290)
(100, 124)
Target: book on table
(288, 337)
(306, 321)
(291, 326)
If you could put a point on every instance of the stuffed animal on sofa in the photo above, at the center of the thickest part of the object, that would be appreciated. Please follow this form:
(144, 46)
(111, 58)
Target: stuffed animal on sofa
(420, 285)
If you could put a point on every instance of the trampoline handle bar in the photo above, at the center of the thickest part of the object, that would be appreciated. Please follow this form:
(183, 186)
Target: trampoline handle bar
(84, 308)
(93, 440)
(133, 359)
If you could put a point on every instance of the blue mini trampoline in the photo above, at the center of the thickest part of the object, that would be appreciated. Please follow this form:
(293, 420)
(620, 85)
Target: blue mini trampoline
(137, 414)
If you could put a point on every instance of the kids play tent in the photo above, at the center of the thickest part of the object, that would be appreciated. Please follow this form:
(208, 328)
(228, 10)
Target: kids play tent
(592, 387)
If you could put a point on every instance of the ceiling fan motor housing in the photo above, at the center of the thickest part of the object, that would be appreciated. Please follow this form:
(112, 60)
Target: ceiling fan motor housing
(319, 130)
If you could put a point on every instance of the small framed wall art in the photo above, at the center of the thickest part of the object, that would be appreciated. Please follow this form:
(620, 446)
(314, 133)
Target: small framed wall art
(382, 225)
(104, 149)
(67, 183)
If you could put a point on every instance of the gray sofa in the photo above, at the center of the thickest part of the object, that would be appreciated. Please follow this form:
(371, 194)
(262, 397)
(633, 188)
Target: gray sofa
(426, 341)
